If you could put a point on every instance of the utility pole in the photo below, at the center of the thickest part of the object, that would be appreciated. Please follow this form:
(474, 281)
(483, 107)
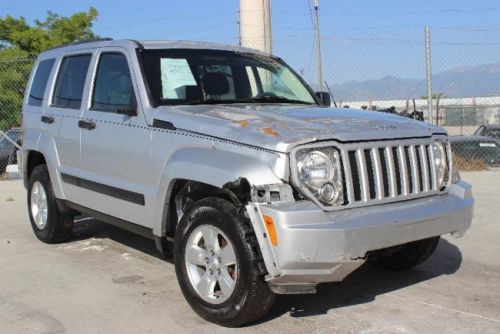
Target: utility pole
(428, 67)
(255, 24)
(318, 45)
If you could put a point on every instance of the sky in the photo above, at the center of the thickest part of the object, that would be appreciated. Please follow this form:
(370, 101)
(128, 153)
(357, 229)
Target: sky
(362, 40)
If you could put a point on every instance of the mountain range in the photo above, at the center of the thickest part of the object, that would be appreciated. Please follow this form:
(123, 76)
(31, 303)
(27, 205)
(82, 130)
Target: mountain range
(467, 81)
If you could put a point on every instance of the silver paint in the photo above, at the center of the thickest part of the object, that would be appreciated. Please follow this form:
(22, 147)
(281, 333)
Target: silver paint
(217, 144)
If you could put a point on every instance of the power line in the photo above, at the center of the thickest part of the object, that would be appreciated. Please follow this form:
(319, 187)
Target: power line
(418, 12)
(196, 29)
(164, 18)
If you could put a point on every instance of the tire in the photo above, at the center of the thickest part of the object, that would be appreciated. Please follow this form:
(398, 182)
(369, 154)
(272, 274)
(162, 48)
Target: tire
(404, 257)
(57, 226)
(251, 297)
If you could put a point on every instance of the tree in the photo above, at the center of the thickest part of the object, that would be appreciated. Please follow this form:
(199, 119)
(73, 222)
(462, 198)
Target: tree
(20, 42)
(55, 30)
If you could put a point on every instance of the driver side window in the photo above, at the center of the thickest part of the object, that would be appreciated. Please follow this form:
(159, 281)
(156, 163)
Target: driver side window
(113, 88)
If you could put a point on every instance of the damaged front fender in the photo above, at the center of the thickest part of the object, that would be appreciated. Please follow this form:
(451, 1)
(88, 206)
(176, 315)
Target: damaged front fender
(216, 168)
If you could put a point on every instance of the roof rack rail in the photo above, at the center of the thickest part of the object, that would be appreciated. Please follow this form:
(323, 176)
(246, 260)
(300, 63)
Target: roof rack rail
(78, 43)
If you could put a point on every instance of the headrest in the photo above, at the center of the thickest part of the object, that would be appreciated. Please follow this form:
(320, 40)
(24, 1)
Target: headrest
(215, 83)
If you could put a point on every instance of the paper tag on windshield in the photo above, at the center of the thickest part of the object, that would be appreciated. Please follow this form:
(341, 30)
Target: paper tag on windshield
(175, 74)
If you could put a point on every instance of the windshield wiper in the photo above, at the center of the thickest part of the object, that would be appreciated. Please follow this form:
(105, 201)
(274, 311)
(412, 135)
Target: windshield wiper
(212, 101)
(278, 99)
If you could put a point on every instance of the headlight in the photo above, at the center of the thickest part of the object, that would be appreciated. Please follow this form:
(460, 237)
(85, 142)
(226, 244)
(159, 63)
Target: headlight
(441, 163)
(321, 173)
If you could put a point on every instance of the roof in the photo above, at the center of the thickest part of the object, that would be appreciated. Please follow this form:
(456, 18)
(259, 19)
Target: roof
(466, 139)
(150, 44)
(159, 44)
(492, 126)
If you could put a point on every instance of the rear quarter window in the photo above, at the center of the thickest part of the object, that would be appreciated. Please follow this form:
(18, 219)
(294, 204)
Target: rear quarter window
(40, 79)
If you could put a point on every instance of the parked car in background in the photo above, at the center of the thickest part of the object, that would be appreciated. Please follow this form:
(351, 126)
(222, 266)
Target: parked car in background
(476, 148)
(7, 148)
(489, 130)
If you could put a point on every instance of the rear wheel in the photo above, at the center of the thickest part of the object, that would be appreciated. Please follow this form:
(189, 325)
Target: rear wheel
(218, 264)
(404, 257)
(49, 224)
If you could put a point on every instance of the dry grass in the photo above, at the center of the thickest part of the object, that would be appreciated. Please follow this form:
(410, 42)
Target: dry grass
(463, 164)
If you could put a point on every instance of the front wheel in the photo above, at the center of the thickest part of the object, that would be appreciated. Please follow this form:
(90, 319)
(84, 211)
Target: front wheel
(218, 264)
(404, 257)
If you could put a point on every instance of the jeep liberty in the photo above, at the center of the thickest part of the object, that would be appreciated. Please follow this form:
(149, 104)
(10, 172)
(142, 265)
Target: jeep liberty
(229, 161)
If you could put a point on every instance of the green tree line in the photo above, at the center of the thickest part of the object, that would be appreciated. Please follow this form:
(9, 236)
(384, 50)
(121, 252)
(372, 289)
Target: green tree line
(21, 42)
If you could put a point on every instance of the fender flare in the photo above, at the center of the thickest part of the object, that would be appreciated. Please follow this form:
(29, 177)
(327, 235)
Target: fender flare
(210, 166)
(45, 145)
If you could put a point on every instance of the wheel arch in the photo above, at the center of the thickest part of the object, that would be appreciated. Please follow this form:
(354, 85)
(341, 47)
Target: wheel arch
(203, 172)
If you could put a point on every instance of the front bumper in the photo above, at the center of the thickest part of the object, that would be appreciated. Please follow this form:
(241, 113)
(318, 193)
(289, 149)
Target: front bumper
(315, 246)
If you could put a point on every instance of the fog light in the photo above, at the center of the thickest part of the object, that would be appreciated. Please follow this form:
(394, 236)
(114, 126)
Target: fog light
(328, 193)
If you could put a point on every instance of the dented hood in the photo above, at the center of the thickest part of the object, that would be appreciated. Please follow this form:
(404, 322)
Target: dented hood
(280, 127)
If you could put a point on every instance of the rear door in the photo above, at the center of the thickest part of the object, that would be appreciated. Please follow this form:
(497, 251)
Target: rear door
(115, 147)
(64, 111)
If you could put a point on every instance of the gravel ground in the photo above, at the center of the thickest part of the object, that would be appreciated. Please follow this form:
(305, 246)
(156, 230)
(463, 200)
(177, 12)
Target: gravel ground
(110, 281)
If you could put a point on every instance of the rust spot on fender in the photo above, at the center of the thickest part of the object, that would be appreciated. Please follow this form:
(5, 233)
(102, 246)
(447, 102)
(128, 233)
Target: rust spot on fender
(244, 123)
(269, 132)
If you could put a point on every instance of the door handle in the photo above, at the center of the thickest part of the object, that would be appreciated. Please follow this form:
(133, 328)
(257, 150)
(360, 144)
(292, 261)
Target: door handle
(86, 125)
(47, 119)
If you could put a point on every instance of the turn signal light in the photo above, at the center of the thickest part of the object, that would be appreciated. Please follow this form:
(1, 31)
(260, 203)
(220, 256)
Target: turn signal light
(271, 231)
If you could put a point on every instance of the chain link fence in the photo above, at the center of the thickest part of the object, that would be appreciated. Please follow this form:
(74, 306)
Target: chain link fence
(14, 73)
(374, 68)
(384, 69)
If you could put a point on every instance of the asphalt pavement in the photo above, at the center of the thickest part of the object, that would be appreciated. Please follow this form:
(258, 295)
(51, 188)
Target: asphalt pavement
(106, 280)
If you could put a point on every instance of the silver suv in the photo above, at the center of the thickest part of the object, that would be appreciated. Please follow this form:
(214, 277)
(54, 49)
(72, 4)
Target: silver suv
(230, 162)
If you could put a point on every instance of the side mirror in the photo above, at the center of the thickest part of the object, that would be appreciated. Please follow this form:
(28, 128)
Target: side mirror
(324, 98)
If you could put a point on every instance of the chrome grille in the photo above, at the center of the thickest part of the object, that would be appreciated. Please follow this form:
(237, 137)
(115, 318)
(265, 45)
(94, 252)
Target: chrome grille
(388, 171)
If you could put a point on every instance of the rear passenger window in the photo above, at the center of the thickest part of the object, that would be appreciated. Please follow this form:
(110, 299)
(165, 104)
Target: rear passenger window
(71, 81)
(113, 86)
(37, 90)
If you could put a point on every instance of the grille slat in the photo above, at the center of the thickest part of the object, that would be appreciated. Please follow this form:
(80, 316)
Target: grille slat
(355, 176)
(348, 177)
(415, 169)
(377, 172)
(424, 167)
(363, 175)
(403, 169)
(384, 172)
(389, 158)
(381, 173)
(433, 168)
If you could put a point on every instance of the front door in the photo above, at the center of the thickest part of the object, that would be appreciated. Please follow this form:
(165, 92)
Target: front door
(115, 145)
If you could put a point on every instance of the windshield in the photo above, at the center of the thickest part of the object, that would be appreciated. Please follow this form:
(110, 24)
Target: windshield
(493, 133)
(6, 143)
(215, 76)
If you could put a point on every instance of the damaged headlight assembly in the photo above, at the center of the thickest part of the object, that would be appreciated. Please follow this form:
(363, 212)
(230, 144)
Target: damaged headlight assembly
(319, 174)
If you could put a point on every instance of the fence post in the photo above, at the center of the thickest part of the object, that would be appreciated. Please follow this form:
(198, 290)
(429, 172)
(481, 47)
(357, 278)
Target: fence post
(428, 68)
